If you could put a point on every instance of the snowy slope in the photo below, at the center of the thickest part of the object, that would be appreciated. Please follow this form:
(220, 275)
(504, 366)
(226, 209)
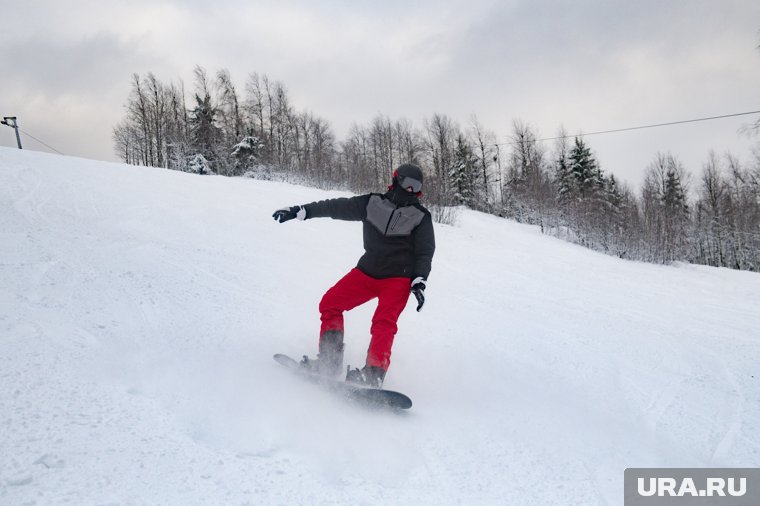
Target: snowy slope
(140, 308)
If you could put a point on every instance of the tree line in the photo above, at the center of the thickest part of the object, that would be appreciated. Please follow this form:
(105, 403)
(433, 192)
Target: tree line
(713, 220)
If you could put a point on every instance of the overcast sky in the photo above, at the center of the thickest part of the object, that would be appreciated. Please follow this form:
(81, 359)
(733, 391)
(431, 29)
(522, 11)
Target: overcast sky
(587, 65)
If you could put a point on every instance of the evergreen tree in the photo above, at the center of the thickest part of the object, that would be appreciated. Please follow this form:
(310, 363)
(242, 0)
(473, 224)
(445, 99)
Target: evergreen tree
(584, 169)
(246, 153)
(563, 178)
(199, 165)
(613, 211)
(463, 173)
(612, 192)
(205, 135)
(676, 216)
(674, 197)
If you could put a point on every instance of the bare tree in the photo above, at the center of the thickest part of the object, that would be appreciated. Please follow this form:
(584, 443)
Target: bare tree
(484, 142)
(441, 134)
(230, 111)
(138, 109)
(528, 186)
(254, 105)
(407, 142)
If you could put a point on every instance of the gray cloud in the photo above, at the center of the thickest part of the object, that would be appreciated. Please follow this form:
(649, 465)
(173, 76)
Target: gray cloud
(84, 66)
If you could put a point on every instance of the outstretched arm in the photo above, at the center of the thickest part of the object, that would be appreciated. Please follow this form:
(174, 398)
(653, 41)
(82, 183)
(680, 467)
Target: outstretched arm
(350, 209)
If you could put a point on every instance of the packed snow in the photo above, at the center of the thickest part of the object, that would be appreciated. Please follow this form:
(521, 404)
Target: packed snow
(140, 309)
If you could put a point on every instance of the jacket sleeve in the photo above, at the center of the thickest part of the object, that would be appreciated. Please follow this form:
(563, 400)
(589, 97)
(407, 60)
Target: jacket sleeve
(350, 209)
(424, 247)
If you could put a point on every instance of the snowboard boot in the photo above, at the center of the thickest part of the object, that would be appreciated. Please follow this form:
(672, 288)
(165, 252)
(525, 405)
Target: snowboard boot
(369, 376)
(318, 366)
(330, 358)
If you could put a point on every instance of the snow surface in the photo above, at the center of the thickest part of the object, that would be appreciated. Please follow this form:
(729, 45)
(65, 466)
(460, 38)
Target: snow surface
(140, 308)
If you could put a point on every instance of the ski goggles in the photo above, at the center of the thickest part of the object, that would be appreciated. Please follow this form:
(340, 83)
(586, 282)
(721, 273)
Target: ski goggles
(410, 182)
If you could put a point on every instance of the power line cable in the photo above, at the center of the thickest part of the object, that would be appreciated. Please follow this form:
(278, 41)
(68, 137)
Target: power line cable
(41, 142)
(709, 118)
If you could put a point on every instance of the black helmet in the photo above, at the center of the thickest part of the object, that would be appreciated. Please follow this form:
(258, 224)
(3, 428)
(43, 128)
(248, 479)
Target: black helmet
(408, 175)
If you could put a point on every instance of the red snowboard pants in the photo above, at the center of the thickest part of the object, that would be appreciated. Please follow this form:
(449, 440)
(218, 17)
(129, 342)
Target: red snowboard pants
(356, 288)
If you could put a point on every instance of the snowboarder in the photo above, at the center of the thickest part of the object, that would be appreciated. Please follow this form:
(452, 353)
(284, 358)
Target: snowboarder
(399, 244)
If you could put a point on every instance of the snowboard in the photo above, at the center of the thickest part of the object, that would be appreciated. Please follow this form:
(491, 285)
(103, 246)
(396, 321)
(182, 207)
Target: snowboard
(366, 396)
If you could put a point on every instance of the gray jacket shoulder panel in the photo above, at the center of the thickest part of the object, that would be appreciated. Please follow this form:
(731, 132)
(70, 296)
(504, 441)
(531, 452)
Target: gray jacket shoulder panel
(379, 212)
(390, 220)
(405, 221)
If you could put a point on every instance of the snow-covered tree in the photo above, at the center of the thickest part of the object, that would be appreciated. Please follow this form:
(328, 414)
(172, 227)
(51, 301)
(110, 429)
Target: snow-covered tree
(199, 165)
(584, 169)
(205, 134)
(463, 174)
(246, 153)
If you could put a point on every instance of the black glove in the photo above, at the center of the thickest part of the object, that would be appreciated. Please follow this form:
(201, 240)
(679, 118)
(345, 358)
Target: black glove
(418, 289)
(288, 213)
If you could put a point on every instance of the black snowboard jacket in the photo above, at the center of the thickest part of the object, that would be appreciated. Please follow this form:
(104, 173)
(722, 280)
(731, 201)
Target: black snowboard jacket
(398, 238)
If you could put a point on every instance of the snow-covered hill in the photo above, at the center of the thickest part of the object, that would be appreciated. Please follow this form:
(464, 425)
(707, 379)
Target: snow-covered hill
(140, 308)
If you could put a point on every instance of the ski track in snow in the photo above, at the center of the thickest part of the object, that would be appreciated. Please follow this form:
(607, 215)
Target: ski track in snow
(140, 308)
